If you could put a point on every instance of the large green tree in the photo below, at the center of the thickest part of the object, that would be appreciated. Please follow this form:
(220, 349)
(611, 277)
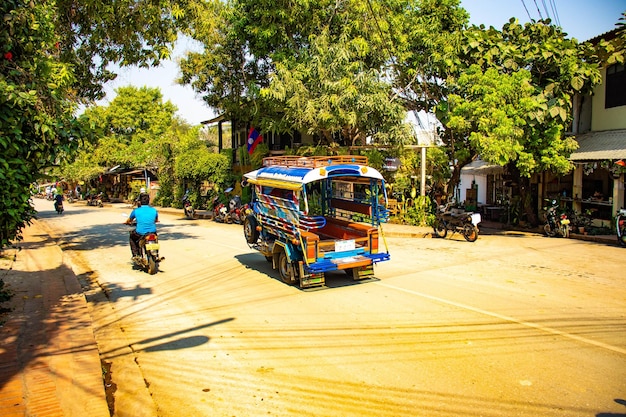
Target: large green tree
(504, 94)
(55, 54)
(136, 129)
(36, 123)
(318, 66)
(132, 126)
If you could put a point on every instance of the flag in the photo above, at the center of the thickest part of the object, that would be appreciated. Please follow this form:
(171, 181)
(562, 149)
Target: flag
(254, 138)
(621, 163)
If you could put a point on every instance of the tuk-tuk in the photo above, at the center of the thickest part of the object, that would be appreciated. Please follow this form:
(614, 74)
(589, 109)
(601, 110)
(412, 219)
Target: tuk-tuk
(312, 215)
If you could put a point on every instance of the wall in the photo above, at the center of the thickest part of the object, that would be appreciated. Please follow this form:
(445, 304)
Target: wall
(466, 182)
(606, 119)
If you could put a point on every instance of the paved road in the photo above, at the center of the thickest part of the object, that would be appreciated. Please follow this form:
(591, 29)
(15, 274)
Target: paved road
(509, 325)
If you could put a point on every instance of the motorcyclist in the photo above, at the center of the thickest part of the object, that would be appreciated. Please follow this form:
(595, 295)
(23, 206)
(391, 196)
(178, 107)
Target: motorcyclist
(142, 192)
(146, 217)
(58, 201)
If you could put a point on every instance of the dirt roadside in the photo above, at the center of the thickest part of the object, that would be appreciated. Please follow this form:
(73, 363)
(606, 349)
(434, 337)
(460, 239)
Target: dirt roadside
(49, 361)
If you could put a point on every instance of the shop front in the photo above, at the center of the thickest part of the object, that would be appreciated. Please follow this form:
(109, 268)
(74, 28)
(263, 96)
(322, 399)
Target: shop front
(596, 186)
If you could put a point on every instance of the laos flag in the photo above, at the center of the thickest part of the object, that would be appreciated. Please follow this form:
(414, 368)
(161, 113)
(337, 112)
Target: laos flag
(254, 138)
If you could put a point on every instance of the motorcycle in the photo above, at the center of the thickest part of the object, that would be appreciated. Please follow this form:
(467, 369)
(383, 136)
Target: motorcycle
(464, 222)
(188, 209)
(95, 200)
(58, 204)
(219, 210)
(620, 227)
(556, 224)
(149, 258)
(235, 212)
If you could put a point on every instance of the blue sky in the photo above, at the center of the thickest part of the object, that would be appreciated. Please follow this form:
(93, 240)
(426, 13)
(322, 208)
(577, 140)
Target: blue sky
(580, 19)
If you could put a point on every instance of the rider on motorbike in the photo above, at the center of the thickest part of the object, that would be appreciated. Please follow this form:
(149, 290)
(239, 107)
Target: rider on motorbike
(58, 201)
(146, 217)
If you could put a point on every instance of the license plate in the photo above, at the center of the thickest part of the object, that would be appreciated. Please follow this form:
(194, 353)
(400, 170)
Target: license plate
(344, 245)
(476, 219)
(152, 246)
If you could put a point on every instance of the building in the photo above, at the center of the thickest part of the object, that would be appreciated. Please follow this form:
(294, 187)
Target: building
(596, 186)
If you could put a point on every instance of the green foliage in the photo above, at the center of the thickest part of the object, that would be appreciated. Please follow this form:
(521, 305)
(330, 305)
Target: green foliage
(260, 152)
(520, 82)
(37, 127)
(55, 55)
(320, 67)
(200, 164)
(133, 125)
(92, 34)
(420, 213)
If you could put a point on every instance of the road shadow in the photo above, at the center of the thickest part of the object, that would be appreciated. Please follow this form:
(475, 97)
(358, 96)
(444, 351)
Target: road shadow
(96, 293)
(48, 319)
(111, 235)
(161, 342)
(619, 401)
(333, 279)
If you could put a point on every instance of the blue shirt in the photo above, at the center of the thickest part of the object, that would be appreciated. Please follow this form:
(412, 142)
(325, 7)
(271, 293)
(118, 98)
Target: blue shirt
(146, 217)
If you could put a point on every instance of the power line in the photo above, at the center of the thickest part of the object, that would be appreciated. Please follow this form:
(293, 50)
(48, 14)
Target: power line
(526, 8)
(555, 12)
(545, 8)
(538, 11)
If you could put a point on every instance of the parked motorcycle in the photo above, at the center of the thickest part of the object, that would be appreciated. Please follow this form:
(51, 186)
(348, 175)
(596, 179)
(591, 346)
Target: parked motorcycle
(188, 209)
(219, 210)
(620, 227)
(235, 211)
(556, 224)
(149, 258)
(464, 222)
(95, 200)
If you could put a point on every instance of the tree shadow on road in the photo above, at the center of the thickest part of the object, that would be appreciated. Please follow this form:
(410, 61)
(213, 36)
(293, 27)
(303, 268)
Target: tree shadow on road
(111, 235)
(619, 401)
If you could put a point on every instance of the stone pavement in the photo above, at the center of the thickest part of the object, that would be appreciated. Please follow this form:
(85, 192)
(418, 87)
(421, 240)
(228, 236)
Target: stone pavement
(49, 361)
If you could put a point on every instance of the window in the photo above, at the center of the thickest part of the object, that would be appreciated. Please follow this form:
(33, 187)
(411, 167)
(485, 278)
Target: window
(615, 88)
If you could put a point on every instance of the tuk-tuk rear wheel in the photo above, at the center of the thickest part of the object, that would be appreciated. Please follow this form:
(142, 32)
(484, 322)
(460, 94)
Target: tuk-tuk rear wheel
(285, 269)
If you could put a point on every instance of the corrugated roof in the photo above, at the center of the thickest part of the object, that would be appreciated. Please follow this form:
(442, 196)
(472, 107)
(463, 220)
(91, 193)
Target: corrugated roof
(593, 146)
(480, 167)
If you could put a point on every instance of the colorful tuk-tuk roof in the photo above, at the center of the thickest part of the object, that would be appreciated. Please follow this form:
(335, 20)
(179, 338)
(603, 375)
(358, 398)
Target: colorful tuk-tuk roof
(291, 172)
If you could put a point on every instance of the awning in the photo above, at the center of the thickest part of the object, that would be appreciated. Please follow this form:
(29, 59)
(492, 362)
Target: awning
(594, 146)
(480, 167)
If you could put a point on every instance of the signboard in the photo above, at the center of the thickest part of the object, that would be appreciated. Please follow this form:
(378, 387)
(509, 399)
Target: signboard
(392, 164)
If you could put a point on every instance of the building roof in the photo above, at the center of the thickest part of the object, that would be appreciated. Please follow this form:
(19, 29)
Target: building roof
(480, 167)
(594, 146)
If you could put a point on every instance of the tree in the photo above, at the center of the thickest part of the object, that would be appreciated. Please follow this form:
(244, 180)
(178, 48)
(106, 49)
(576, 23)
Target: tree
(55, 55)
(521, 84)
(92, 34)
(137, 129)
(132, 125)
(331, 90)
(316, 66)
(505, 95)
(195, 163)
(36, 126)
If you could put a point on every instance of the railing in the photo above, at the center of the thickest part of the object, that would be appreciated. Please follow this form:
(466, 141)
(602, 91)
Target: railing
(313, 161)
